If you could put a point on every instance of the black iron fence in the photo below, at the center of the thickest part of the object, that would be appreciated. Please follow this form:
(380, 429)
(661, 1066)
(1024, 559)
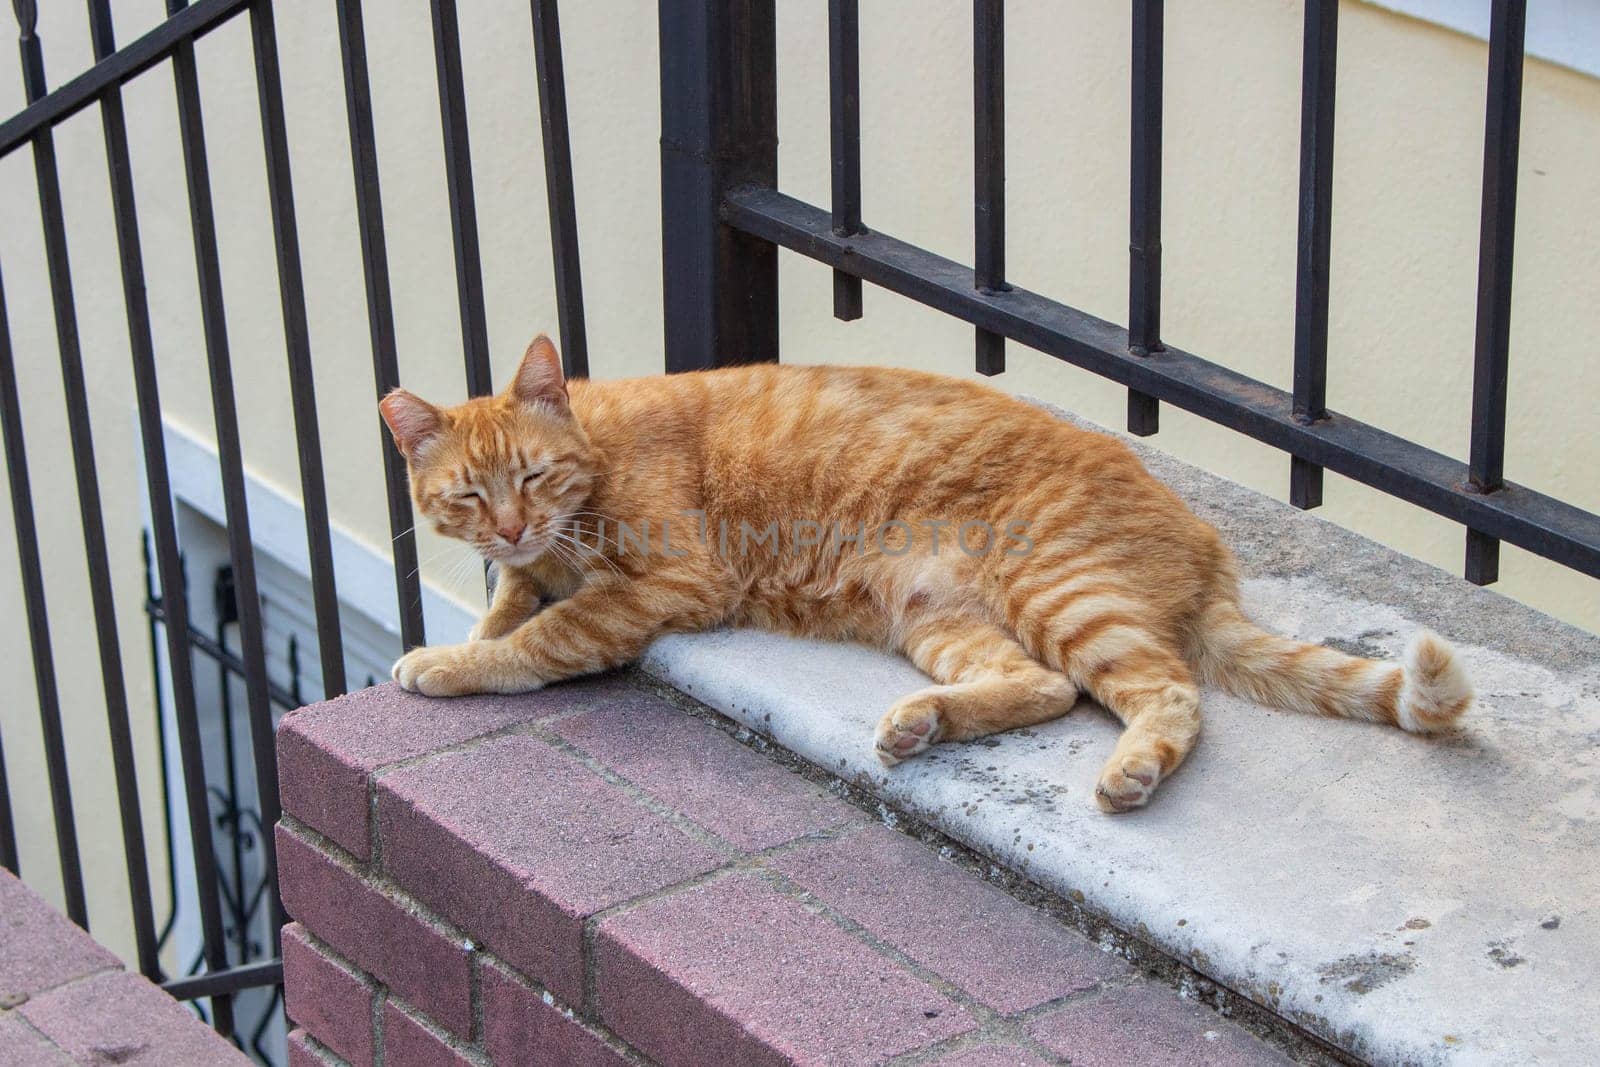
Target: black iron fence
(226, 904)
(723, 221)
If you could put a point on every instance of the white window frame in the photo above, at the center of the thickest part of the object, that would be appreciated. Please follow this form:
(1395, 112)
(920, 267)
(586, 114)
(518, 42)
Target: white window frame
(1564, 32)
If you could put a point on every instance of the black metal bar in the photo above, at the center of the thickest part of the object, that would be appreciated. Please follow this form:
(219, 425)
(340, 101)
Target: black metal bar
(380, 309)
(8, 827)
(294, 693)
(1144, 207)
(989, 167)
(1541, 524)
(225, 612)
(302, 388)
(231, 980)
(81, 438)
(557, 140)
(208, 272)
(157, 703)
(33, 600)
(168, 561)
(1316, 215)
(114, 127)
(186, 26)
(308, 440)
(719, 130)
(463, 205)
(1496, 235)
(1483, 558)
(844, 124)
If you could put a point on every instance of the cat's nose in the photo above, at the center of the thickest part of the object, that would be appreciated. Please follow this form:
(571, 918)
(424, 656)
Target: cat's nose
(513, 534)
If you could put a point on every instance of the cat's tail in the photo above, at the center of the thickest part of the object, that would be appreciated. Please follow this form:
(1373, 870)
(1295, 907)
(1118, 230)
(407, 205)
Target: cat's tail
(1424, 693)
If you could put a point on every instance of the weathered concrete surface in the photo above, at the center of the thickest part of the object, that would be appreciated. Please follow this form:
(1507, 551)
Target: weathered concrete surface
(1410, 900)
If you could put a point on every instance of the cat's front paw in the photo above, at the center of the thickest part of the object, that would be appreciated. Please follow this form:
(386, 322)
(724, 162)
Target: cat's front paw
(456, 670)
(435, 671)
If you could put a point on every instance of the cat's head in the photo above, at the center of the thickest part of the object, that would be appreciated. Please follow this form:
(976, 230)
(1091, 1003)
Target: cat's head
(502, 472)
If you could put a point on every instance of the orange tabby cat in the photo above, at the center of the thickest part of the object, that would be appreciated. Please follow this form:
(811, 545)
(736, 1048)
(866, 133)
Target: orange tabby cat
(850, 503)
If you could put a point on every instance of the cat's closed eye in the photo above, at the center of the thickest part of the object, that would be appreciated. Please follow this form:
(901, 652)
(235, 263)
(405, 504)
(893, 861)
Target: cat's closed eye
(529, 477)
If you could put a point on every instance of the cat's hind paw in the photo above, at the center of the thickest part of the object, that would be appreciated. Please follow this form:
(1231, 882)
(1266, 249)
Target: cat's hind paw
(1126, 783)
(912, 726)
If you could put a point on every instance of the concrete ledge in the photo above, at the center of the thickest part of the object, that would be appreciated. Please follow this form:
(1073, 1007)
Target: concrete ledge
(592, 876)
(66, 1000)
(1408, 900)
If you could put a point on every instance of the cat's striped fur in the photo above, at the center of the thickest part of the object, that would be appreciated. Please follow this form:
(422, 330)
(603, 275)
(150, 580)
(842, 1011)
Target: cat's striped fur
(1123, 593)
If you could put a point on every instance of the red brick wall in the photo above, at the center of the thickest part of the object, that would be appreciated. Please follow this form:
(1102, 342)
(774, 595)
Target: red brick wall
(64, 999)
(590, 876)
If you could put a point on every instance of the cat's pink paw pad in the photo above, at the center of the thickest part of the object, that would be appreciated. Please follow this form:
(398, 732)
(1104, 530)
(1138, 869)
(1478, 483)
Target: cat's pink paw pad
(1126, 784)
(905, 731)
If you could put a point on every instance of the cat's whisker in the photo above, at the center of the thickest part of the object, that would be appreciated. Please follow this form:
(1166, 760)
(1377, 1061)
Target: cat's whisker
(578, 529)
(430, 558)
(600, 589)
(574, 542)
(465, 567)
(564, 552)
(561, 554)
(589, 514)
(458, 569)
(583, 551)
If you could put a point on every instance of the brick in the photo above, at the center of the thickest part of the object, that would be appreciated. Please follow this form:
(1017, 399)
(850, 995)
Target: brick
(732, 971)
(302, 1053)
(121, 1018)
(518, 844)
(741, 796)
(328, 751)
(39, 947)
(378, 933)
(993, 1056)
(1147, 1023)
(519, 1027)
(409, 1043)
(1005, 954)
(21, 1044)
(327, 998)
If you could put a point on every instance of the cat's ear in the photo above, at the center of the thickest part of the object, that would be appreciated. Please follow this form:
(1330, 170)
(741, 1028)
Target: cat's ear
(412, 420)
(539, 379)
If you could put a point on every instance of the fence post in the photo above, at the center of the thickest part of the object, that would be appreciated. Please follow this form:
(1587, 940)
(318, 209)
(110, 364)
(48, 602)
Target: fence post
(719, 131)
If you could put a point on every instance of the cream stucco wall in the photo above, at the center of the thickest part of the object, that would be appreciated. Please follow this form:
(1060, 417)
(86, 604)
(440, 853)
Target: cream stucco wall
(1410, 123)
